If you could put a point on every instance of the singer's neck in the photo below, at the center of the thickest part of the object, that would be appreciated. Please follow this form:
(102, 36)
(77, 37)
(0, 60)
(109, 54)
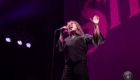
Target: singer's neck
(73, 33)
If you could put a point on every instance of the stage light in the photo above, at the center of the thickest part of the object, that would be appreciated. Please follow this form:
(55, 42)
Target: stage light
(19, 42)
(8, 39)
(28, 45)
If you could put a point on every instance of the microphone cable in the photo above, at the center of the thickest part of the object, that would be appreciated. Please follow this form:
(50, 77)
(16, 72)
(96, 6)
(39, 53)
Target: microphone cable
(53, 55)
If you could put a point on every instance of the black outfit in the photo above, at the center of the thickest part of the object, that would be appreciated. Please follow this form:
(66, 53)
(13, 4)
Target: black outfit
(75, 50)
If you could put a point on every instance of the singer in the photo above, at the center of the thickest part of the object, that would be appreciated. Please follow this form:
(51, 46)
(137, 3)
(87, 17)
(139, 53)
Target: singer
(75, 48)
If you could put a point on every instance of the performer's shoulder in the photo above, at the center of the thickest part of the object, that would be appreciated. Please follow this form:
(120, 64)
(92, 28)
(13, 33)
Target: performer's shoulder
(86, 35)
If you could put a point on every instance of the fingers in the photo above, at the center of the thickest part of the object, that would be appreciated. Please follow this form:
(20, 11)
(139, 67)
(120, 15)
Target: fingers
(65, 29)
(95, 17)
(90, 19)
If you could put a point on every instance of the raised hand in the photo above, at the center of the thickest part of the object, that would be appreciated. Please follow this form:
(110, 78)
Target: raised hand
(95, 19)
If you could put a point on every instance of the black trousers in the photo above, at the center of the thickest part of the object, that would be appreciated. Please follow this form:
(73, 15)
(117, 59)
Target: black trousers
(76, 70)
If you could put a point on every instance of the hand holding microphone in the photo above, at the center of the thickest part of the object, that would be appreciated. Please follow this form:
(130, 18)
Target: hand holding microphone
(63, 28)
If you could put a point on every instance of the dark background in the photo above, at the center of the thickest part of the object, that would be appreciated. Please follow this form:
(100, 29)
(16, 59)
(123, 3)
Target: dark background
(38, 18)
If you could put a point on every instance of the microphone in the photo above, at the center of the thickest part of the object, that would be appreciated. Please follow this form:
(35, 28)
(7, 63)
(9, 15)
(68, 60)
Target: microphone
(63, 28)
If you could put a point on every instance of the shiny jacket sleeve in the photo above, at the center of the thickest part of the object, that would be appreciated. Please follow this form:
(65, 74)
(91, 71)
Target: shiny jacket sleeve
(94, 39)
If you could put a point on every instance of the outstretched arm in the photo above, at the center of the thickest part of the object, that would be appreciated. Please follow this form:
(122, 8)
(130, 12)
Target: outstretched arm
(97, 38)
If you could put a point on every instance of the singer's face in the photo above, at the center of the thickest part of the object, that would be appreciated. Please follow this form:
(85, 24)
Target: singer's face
(72, 27)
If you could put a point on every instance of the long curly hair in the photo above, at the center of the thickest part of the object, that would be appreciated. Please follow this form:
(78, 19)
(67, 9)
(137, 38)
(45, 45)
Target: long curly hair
(80, 31)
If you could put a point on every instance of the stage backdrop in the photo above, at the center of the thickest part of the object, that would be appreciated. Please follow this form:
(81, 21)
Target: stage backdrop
(120, 25)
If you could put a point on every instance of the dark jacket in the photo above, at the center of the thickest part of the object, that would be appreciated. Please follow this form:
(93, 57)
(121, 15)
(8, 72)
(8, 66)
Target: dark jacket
(75, 49)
